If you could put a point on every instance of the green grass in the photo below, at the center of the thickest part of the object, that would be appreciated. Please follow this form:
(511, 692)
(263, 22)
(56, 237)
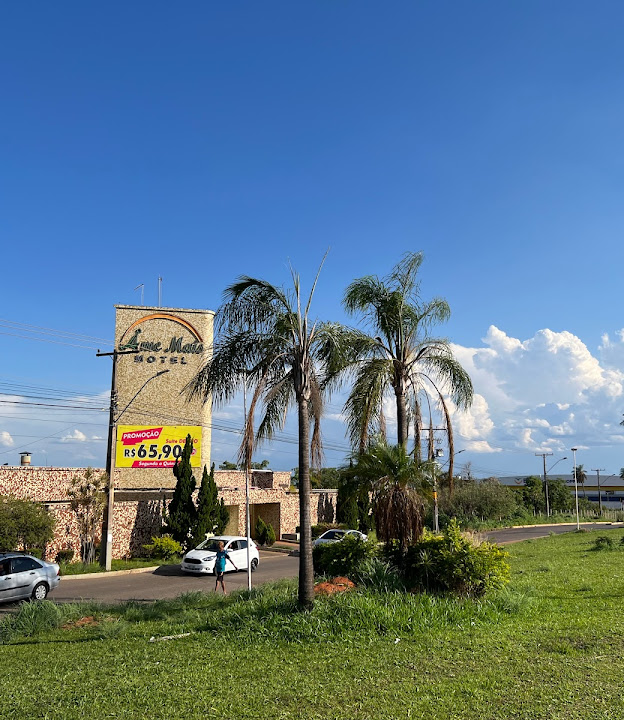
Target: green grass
(82, 568)
(550, 646)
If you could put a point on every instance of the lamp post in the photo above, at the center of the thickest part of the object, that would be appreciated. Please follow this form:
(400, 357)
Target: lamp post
(247, 519)
(578, 523)
(434, 468)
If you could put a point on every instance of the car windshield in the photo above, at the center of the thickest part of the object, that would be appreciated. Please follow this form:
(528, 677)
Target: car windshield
(209, 544)
(334, 535)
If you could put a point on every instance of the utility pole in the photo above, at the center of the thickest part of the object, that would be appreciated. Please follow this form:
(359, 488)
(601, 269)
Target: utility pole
(598, 471)
(106, 541)
(544, 456)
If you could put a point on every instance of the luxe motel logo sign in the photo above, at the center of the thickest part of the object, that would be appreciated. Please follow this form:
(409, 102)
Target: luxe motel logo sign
(172, 349)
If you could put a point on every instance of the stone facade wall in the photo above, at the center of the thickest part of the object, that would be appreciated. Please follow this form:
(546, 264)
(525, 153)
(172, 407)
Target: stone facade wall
(138, 513)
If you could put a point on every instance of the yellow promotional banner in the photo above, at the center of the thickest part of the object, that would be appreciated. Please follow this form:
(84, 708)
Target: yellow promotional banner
(149, 446)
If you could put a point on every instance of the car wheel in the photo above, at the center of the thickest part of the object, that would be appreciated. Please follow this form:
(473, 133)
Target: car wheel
(40, 591)
(254, 564)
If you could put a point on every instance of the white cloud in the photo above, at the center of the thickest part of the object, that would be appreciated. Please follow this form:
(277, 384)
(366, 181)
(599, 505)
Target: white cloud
(543, 393)
(75, 436)
(5, 439)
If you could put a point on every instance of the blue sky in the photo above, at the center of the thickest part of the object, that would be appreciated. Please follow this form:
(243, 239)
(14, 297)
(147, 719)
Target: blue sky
(202, 141)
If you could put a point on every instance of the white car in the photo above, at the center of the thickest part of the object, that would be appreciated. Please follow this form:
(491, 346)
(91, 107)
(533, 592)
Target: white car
(335, 535)
(201, 560)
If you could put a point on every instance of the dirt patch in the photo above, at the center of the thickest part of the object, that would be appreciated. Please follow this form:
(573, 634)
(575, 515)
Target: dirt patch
(338, 584)
(87, 621)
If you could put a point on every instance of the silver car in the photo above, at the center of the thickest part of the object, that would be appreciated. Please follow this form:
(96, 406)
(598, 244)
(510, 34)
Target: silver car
(24, 576)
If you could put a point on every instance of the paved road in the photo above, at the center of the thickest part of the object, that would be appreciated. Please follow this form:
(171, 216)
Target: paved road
(168, 582)
(511, 535)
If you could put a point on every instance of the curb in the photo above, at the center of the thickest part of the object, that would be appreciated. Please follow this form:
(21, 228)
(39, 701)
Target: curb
(111, 573)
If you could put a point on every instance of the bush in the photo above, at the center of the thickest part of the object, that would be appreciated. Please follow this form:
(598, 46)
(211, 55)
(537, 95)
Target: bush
(31, 619)
(64, 556)
(24, 524)
(603, 542)
(453, 563)
(265, 534)
(163, 548)
(343, 557)
(379, 575)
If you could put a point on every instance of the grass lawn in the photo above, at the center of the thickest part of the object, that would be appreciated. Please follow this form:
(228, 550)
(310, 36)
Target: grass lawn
(79, 568)
(551, 646)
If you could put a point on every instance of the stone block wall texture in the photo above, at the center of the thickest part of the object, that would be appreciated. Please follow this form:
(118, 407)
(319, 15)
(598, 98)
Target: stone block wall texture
(172, 339)
(138, 513)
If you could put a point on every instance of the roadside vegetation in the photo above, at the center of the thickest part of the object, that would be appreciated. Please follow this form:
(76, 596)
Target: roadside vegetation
(548, 645)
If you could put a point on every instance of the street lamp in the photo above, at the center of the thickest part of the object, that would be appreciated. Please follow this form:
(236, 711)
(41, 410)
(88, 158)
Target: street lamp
(546, 480)
(578, 524)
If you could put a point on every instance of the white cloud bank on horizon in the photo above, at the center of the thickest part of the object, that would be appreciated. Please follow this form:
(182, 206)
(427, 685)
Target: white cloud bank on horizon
(542, 394)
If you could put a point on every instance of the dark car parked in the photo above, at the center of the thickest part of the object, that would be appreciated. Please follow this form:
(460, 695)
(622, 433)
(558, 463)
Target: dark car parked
(23, 576)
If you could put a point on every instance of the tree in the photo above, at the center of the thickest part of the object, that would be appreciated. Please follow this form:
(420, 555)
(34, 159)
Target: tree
(24, 524)
(181, 515)
(398, 483)
(487, 499)
(401, 356)
(533, 494)
(622, 473)
(212, 515)
(87, 498)
(227, 465)
(267, 342)
(561, 499)
(581, 477)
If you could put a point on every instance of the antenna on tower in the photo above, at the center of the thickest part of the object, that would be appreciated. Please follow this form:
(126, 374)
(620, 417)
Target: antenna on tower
(159, 291)
(142, 286)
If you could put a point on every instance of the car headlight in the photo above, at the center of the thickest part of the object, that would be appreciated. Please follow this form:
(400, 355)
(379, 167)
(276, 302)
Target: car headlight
(206, 559)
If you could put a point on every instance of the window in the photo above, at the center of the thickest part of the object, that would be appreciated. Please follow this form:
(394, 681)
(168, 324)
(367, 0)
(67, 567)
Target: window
(23, 564)
(233, 545)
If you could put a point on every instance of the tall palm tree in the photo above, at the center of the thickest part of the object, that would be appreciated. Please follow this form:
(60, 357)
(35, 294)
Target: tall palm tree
(265, 340)
(398, 483)
(581, 476)
(400, 355)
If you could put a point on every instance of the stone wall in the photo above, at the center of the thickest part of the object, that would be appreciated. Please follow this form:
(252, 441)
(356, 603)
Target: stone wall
(138, 512)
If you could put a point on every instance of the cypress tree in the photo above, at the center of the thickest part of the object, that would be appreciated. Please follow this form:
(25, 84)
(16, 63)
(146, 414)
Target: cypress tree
(212, 515)
(181, 516)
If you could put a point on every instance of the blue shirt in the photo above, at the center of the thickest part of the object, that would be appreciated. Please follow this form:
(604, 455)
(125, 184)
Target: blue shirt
(220, 562)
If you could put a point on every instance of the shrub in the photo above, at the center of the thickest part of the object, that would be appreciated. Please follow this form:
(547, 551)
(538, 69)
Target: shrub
(31, 619)
(64, 556)
(343, 557)
(265, 534)
(270, 535)
(163, 548)
(453, 563)
(24, 524)
(379, 575)
(603, 542)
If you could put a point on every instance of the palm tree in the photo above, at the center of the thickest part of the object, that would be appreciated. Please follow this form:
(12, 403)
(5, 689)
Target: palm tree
(400, 355)
(266, 342)
(581, 476)
(398, 483)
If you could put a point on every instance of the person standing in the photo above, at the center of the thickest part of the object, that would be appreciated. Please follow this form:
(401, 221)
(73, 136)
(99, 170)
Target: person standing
(222, 557)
